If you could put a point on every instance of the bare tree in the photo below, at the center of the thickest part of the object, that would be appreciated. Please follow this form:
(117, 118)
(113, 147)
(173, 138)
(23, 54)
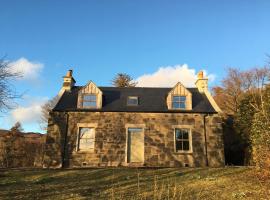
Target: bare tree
(123, 80)
(229, 94)
(17, 127)
(257, 79)
(7, 91)
(45, 110)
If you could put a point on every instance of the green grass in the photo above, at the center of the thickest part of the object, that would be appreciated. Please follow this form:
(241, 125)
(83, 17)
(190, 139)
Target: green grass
(131, 183)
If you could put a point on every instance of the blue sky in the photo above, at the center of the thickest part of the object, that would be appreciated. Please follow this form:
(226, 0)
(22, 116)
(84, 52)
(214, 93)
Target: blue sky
(99, 38)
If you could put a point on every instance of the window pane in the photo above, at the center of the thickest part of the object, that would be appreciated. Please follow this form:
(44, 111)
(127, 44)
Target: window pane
(178, 134)
(176, 105)
(185, 145)
(182, 98)
(176, 98)
(179, 102)
(182, 105)
(89, 104)
(182, 139)
(86, 139)
(86, 133)
(134, 130)
(89, 97)
(185, 134)
(132, 101)
(178, 146)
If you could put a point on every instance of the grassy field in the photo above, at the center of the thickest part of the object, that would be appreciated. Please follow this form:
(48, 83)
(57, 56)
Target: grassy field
(127, 183)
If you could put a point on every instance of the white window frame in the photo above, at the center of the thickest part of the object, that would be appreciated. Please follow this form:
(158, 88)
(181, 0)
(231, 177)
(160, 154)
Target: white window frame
(133, 97)
(189, 137)
(179, 102)
(89, 94)
(85, 125)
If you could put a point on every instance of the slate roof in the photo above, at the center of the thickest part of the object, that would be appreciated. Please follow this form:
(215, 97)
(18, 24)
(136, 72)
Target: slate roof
(150, 100)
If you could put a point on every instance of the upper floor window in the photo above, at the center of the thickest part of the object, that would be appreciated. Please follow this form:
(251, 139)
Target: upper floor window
(132, 101)
(89, 101)
(86, 139)
(179, 102)
(182, 140)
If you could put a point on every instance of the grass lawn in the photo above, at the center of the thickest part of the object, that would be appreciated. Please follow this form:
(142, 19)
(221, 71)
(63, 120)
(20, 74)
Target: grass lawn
(131, 183)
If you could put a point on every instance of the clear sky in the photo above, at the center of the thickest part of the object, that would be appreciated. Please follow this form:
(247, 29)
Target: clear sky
(99, 38)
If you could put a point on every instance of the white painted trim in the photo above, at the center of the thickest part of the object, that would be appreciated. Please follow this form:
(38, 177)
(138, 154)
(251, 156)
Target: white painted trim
(135, 126)
(141, 126)
(189, 127)
(212, 101)
(59, 96)
(90, 125)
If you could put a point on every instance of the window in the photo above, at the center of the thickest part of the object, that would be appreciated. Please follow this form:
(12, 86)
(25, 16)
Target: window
(182, 140)
(132, 101)
(89, 101)
(179, 102)
(86, 139)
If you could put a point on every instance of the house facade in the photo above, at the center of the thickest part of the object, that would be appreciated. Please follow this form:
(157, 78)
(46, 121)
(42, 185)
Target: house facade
(93, 126)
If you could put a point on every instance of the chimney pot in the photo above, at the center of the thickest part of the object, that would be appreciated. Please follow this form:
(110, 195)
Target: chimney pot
(201, 83)
(69, 73)
(69, 81)
(200, 75)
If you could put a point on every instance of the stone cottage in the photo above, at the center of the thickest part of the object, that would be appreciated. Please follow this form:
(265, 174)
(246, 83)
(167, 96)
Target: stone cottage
(135, 126)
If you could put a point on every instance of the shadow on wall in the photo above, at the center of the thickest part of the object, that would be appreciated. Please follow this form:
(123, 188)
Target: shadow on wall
(233, 148)
(55, 148)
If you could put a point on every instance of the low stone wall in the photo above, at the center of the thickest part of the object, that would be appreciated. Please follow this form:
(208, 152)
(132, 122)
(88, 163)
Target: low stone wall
(110, 139)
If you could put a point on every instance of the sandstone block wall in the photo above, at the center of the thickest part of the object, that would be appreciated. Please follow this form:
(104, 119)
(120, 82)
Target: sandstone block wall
(110, 139)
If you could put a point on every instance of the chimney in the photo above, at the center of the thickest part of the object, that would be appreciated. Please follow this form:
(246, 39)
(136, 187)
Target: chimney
(202, 83)
(69, 81)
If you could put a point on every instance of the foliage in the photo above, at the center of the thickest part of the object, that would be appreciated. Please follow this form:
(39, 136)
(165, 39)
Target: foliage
(244, 96)
(260, 135)
(17, 127)
(242, 126)
(9, 149)
(123, 80)
(18, 149)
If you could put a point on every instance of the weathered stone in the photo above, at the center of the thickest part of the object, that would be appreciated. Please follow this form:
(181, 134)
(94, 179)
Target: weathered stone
(111, 141)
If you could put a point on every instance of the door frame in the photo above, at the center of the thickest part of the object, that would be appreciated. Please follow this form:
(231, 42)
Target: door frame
(127, 126)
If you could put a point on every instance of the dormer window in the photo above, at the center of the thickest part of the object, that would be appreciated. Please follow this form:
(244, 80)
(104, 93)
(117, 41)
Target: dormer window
(89, 101)
(179, 102)
(132, 101)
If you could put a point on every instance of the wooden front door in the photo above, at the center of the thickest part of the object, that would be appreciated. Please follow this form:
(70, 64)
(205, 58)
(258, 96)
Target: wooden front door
(135, 145)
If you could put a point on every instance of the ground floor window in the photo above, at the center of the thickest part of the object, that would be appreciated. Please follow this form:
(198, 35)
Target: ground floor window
(182, 140)
(86, 139)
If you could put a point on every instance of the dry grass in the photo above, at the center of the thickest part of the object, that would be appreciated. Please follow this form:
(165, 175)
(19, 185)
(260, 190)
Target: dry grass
(126, 183)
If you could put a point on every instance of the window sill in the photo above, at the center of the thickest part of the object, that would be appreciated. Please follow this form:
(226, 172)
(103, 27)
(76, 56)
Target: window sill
(89, 107)
(84, 151)
(184, 152)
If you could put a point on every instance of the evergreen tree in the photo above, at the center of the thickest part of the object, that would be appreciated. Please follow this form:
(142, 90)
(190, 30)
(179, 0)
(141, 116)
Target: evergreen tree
(123, 80)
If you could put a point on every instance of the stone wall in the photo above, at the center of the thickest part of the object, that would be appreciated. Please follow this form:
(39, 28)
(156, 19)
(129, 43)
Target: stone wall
(110, 139)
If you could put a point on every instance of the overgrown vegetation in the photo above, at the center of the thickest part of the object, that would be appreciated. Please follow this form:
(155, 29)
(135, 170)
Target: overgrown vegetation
(18, 149)
(244, 98)
(131, 183)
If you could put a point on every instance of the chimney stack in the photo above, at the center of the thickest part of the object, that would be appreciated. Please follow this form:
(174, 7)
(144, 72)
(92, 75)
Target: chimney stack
(202, 83)
(69, 81)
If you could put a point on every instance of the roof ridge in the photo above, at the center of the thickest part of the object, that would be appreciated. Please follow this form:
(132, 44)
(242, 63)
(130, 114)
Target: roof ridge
(136, 87)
